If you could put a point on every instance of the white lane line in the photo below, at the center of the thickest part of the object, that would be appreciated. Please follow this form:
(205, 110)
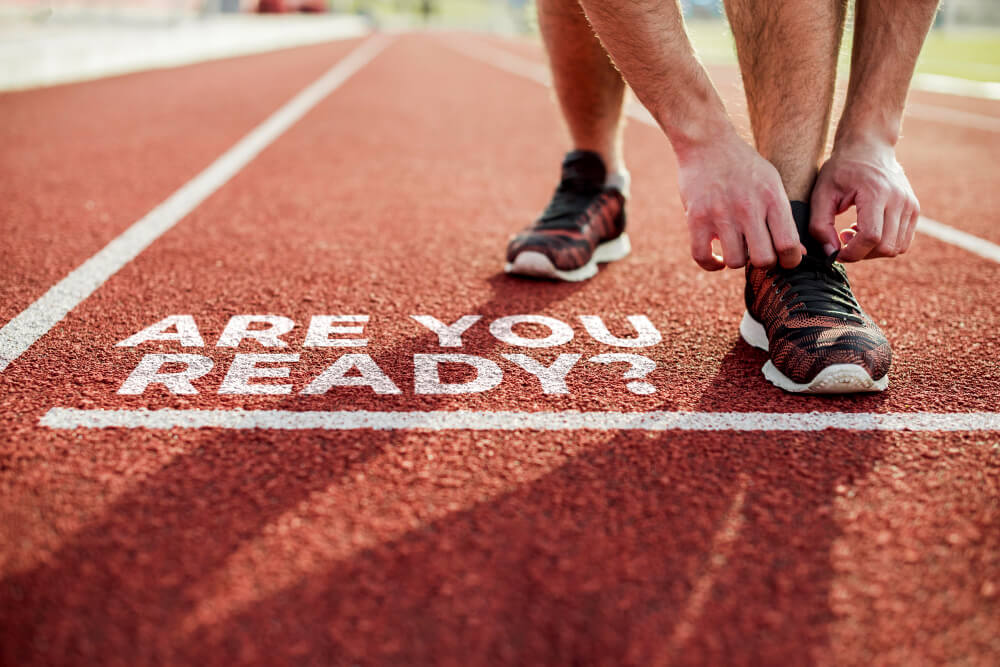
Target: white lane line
(951, 85)
(40, 317)
(69, 418)
(528, 69)
(956, 237)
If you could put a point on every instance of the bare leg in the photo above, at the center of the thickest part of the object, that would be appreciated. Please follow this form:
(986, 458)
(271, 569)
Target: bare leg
(788, 56)
(590, 90)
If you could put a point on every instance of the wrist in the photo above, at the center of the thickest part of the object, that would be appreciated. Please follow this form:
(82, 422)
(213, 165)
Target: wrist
(702, 133)
(867, 145)
(695, 120)
(883, 132)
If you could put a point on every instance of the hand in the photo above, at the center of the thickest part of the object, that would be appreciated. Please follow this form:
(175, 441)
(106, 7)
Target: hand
(732, 194)
(866, 175)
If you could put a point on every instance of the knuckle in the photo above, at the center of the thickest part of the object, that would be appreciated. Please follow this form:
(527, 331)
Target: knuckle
(868, 236)
(695, 217)
(697, 212)
(745, 206)
(786, 246)
(765, 261)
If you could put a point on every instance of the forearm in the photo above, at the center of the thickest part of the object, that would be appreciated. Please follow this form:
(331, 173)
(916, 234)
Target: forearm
(647, 42)
(888, 36)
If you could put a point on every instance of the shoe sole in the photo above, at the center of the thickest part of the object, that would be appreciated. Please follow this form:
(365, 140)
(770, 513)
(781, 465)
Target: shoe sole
(537, 265)
(835, 379)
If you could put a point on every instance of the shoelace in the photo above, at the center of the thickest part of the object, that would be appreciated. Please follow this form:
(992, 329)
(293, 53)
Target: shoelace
(571, 196)
(819, 287)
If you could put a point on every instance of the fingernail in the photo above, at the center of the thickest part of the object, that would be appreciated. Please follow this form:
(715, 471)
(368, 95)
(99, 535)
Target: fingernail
(829, 249)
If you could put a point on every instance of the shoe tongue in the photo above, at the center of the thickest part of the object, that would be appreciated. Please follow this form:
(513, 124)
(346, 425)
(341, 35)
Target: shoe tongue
(584, 169)
(800, 212)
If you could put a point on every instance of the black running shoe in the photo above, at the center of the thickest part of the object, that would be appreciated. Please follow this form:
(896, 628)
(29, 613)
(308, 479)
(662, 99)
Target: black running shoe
(807, 318)
(583, 225)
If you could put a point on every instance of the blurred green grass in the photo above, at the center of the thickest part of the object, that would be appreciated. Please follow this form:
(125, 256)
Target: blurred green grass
(968, 53)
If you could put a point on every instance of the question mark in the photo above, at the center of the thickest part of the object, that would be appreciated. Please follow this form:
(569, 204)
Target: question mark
(640, 367)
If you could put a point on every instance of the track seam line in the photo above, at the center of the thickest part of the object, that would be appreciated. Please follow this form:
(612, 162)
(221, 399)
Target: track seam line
(528, 69)
(40, 317)
(568, 420)
(949, 116)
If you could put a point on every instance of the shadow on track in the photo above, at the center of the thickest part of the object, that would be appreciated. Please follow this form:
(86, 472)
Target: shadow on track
(679, 548)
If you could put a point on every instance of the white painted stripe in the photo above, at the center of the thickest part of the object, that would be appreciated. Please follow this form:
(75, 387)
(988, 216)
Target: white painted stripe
(528, 69)
(956, 237)
(38, 319)
(68, 418)
(501, 59)
(953, 85)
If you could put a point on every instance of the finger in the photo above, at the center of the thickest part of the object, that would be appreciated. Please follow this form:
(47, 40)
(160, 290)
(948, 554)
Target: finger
(734, 250)
(784, 234)
(906, 231)
(886, 247)
(701, 248)
(759, 243)
(848, 234)
(823, 218)
(871, 217)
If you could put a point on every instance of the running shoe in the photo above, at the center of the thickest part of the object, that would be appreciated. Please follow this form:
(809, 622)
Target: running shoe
(583, 226)
(819, 339)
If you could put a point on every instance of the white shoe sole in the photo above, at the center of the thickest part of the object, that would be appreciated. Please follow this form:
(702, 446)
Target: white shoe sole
(835, 379)
(537, 265)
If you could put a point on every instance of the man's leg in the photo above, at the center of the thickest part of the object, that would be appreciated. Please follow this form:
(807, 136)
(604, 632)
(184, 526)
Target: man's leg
(788, 57)
(817, 336)
(590, 90)
(584, 223)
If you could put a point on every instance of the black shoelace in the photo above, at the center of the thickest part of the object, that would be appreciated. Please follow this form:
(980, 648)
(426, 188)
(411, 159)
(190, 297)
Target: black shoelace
(570, 198)
(819, 287)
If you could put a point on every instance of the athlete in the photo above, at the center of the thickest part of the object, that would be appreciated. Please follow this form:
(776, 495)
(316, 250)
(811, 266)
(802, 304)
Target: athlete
(772, 207)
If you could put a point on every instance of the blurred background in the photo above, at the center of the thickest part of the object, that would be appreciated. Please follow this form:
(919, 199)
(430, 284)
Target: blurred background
(51, 41)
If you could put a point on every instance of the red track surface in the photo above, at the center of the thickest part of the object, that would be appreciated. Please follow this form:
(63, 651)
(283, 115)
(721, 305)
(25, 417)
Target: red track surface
(394, 197)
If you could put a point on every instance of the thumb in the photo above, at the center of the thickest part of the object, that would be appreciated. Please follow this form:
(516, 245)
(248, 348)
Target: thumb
(822, 219)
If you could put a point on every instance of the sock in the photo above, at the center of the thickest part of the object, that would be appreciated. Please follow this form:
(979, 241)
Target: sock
(800, 212)
(621, 180)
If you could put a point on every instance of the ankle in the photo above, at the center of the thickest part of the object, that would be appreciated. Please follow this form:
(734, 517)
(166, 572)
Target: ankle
(620, 179)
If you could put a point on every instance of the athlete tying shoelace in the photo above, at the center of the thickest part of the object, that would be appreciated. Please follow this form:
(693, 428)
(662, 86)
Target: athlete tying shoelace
(772, 209)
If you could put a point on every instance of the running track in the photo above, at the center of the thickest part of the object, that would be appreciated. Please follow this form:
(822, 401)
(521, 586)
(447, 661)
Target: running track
(878, 543)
